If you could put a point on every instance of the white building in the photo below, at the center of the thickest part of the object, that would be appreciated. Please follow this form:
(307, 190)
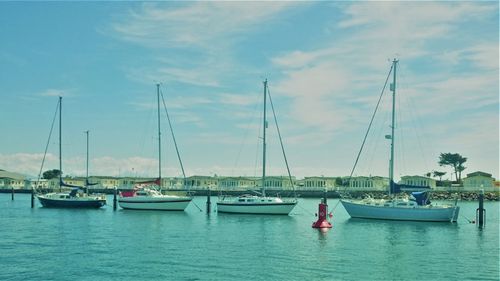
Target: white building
(479, 180)
(13, 180)
(317, 183)
(237, 183)
(374, 183)
(418, 181)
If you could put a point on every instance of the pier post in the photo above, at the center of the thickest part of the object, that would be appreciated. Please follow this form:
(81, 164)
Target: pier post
(114, 199)
(324, 197)
(32, 198)
(12, 190)
(481, 212)
(209, 204)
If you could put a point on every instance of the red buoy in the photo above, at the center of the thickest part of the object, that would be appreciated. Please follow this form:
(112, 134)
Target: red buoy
(322, 221)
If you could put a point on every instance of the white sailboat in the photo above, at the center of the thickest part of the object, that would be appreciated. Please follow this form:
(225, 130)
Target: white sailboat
(417, 208)
(73, 198)
(150, 197)
(261, 204)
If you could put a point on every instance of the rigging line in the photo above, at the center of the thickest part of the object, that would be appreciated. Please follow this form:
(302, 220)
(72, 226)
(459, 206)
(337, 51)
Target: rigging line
(173, 138)
(258, 144)
(400, 119)
(281, 142)
(194, 203)
(243, 143)
(371, 122)
(366, 135)
(417, 123)
(306, 210)
(47, 145)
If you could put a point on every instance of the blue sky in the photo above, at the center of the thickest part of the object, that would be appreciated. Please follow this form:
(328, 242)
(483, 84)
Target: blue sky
(326, 63)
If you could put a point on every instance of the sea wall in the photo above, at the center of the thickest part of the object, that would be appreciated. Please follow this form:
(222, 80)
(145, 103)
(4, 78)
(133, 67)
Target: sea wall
(436, 195)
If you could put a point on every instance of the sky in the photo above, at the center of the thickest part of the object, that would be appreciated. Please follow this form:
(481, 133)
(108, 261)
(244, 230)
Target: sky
(326, 64)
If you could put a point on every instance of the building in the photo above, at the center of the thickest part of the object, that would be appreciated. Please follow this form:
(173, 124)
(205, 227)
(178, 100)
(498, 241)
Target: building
(278, 182)
(374, 183)
(479, 180)
(173, 183)
(237, 183)
(318, 183)
(41, 183)
(201, 182)
(418, 181)
(13, 180)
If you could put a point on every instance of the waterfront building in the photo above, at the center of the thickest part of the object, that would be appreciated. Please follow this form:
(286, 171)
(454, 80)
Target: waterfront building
(13, 180)
(237, 183)
(317, 183)
(479, 180)
(370, 183)
(278, 182)
(41, 183)
(418, 181)
(125, 182)
(173, 183)
(201, 182)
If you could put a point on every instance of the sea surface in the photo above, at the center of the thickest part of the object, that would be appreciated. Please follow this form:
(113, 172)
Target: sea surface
(102, 244)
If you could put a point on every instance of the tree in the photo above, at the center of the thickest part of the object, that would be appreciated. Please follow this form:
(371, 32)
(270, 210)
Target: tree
(439, 174)
(338, 181)
(428, 174)
(454, 160)
(50, 174)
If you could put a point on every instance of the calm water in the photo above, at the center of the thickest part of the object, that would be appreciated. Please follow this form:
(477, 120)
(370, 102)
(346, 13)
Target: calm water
(61, 244)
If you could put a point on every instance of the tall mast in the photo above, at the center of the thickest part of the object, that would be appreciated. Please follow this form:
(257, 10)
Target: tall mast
(87, 168)
(264, 143)
(60, 144)
(393, 89)
(159, 133)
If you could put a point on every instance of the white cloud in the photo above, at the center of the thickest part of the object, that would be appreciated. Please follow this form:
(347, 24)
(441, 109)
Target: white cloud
(29, 164)
(55, 93)
(204, 25)
(26, 163)
(329, 86)
(238, 99)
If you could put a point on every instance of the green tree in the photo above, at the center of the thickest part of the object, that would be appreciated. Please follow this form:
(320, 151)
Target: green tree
(50, 174)
(438, 174)
(454, 160)
(338, 181)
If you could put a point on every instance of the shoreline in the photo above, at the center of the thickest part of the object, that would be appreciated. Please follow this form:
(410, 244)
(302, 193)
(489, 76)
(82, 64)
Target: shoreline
(435, 195)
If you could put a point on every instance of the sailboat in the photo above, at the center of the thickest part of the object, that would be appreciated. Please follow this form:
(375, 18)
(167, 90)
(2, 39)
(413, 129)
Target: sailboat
(257, 204)
(73, 198)
(148, 195)
(415, 208)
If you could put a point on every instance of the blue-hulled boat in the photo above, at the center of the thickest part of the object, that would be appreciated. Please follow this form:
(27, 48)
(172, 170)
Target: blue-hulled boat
(72, 199)
(78, 197)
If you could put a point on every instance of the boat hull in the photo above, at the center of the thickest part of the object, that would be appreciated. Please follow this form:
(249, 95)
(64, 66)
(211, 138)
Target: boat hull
(282, 208)
(426, 213)
(160, 204)
(71, 203)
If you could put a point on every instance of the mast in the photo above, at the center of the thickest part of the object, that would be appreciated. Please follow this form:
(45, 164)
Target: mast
(264, 143)
(60, 144)
(159, 134)
(393, 89)
(87, 168)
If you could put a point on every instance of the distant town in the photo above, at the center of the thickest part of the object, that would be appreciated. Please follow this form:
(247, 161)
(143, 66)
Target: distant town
(472, 182)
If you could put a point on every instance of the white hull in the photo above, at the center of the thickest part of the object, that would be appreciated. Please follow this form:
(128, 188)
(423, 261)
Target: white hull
(164, 203)
(255, 205)
(360, 209)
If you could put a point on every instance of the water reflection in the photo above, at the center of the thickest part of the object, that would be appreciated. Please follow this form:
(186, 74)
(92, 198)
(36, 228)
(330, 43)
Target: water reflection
(322, 233)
